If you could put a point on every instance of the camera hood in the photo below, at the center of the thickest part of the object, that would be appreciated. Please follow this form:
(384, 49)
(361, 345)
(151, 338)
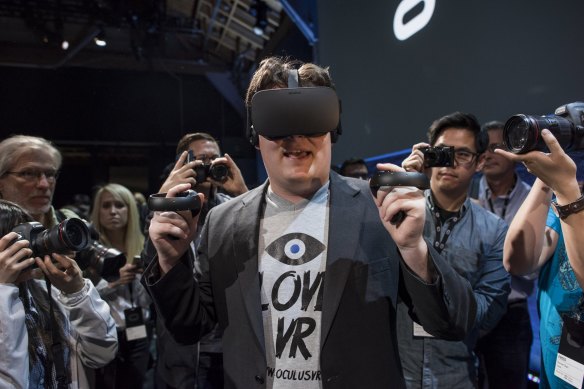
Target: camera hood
(277, 113)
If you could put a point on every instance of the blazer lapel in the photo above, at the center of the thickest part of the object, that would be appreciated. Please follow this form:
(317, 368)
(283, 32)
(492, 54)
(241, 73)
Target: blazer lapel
(245, 249)
(343, 237)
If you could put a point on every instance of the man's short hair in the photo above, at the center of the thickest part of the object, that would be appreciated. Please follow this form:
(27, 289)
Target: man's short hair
(273, 73)
(11, 149)
(493, 125)
(185, 141)
(460, 120)
(351, 161)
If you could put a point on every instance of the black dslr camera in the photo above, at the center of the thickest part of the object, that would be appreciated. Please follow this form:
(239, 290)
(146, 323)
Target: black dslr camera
(522, 133)
(218, 172)
(69, 235)
(439, 156)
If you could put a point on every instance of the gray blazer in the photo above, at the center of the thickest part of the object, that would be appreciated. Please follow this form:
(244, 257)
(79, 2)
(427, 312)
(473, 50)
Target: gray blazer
(365, 279)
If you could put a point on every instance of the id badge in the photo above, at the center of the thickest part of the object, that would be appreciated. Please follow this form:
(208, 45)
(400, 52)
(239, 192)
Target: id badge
(570, 361)
(135, 327)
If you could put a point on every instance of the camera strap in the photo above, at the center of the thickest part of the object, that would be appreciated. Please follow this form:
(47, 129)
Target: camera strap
(131, 290)
(57, 351)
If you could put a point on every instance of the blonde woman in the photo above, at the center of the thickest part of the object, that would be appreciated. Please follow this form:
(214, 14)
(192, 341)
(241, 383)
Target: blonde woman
(115, 216)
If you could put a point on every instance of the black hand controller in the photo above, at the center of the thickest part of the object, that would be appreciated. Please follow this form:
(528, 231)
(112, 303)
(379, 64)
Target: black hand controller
(389, 179)
(184, 201)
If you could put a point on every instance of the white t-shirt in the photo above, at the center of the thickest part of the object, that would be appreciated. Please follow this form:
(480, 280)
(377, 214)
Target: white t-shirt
(292, 262)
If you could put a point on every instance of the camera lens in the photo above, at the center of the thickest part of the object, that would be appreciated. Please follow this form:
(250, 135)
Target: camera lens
(431, 157)
(105, 261)
(75, 234)
(69, 235)
(522, 133)
(219, 172)
(439, 156)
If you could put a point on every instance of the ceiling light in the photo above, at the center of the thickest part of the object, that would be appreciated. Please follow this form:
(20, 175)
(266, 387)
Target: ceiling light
(260, 11)
(100, 39)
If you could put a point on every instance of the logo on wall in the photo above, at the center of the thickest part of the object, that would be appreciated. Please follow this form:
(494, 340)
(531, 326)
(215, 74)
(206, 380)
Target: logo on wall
(403, 30)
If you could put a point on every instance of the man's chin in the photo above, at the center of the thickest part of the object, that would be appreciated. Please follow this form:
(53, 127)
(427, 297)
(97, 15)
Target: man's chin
(37, 212)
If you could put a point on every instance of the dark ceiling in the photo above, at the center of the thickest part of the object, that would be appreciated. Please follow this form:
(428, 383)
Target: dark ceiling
(168, 67)
(187, 36)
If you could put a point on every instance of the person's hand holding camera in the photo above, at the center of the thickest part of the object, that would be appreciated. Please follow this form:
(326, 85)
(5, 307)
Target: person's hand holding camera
(14, 259)
(415, 161)
(128, 274)
(555, 169)
(64, 273)
(234, 184)
(171, 232)
(181, 173)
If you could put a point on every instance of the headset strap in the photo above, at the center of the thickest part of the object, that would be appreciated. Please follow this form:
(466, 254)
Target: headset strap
(293, 79)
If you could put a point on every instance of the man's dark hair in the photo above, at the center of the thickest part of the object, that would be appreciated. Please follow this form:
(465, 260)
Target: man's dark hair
(492, 125)
(185, 141)
(460, 120)
(351, 161)
(273, 73)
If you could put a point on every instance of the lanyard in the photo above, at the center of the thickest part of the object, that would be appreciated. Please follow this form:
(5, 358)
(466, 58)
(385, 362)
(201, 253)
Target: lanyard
(131, 290)
(507, 199)
(504, 205)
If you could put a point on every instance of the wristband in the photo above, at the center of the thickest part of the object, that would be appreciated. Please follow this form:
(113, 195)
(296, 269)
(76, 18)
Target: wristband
(566, 210)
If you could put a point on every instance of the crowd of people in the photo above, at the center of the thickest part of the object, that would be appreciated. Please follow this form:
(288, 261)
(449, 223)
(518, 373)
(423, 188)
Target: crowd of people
(306, 280)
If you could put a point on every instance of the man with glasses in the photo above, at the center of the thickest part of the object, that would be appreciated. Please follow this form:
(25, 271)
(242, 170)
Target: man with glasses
(504, 352)
(471, 239)
(29, 168)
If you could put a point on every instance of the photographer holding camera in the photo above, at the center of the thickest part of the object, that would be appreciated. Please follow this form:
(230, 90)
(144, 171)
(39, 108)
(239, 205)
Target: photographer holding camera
(198, 163)
(50, 334)
(549, 240)
(115, 216)
(469, 237)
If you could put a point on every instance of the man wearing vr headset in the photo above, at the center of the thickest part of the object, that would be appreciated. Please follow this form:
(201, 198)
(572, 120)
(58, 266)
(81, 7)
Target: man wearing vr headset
(304, 272)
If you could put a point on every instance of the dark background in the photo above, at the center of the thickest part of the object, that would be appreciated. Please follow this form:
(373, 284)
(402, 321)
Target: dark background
(491, 58)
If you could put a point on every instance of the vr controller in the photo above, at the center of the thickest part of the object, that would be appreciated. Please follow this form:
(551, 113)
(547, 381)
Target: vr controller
(384, 179)
(184, 201)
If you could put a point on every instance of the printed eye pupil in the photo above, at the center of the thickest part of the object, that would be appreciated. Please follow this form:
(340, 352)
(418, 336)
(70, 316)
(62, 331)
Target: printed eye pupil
(295, 248)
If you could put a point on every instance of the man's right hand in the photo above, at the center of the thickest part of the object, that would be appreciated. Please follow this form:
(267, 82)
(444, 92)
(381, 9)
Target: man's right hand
(181, 173)
(171, 233)
(415, 161)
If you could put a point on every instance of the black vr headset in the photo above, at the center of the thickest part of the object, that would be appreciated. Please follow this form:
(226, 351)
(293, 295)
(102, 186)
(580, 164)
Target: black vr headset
(279, 113)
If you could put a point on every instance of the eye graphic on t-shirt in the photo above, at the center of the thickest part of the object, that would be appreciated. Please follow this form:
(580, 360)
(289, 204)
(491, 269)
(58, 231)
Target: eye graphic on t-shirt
(295, 248)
